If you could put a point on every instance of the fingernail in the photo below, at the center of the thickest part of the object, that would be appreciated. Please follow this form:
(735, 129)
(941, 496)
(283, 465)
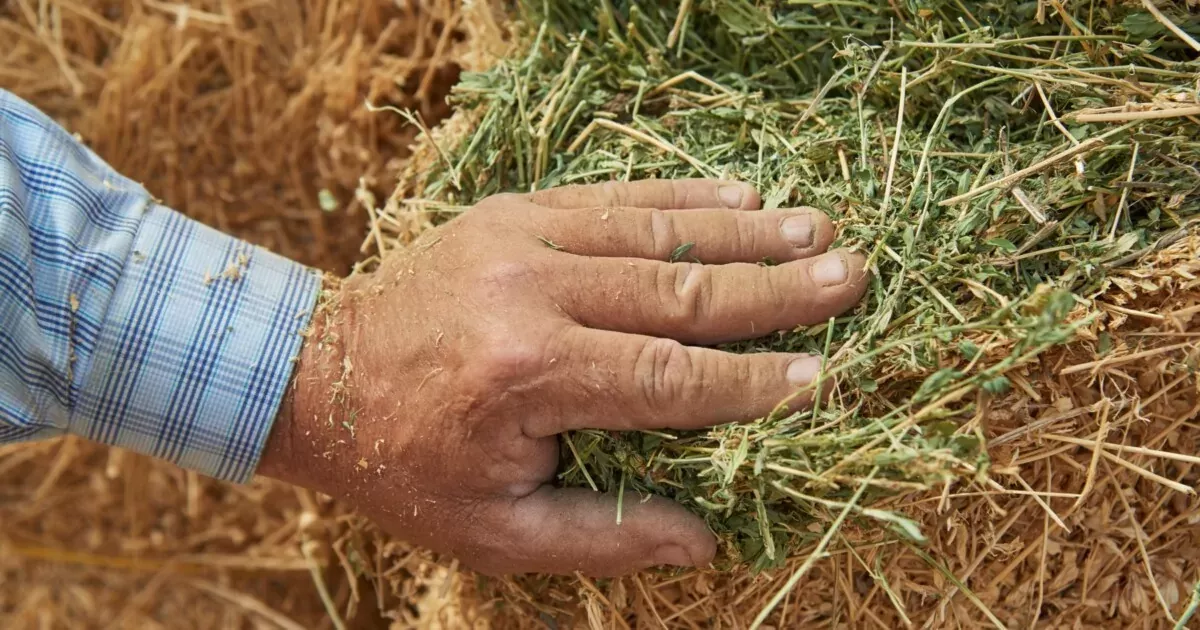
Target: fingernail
(804, 371)
(829, 269)
(731, 196)
(673, 555)
(798, 230)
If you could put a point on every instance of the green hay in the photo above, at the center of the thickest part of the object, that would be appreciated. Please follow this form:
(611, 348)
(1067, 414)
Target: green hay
(802, 99)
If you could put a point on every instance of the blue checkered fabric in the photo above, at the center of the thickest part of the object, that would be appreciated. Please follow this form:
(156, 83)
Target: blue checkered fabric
(126, 323)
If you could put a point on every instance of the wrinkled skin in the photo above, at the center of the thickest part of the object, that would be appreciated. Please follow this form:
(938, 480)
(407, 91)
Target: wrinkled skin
(456, 365)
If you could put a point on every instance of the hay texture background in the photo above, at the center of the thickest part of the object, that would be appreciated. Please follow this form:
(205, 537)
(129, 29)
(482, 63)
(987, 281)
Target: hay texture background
(91, 537)
(249, 116)
(241, 113)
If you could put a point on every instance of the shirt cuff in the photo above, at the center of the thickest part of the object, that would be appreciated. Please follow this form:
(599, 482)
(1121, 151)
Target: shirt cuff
(196, 349)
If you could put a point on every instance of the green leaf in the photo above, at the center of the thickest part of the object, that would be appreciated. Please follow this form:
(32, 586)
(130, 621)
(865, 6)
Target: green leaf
(1002, 244)
(936, 382)
(326, 200)
(551, 244)
(681, 251)
(764, 524)
(1123, 244)
(945, 428)
(904, 526)
(996, 386)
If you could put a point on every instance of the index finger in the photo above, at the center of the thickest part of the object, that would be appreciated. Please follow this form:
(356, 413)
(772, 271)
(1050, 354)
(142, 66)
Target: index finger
(663, 194)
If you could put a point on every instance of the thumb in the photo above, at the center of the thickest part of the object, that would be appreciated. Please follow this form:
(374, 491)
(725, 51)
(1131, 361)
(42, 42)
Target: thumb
(566, 530)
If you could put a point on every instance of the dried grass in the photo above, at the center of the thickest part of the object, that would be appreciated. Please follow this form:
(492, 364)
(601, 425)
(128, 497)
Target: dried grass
(246, 115)
(238, 113)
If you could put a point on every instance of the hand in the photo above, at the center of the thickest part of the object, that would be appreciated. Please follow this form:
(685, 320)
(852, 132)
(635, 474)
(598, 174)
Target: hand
(431, 392)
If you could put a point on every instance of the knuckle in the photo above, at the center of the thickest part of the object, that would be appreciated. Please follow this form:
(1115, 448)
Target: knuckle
(503, 359)
(662, 232)
(741, 369)
(686, 292)
(678, 193)
(778, 284)
(550, 196)
(748, 230)
(501, 201)
(612, 194)
(664, 371)
(500, 360)
(505, 275)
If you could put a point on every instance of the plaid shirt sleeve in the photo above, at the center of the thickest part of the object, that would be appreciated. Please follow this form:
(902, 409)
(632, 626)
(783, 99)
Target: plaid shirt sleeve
(126, 323)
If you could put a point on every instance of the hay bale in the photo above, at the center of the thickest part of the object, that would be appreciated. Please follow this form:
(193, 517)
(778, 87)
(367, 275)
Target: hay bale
(248, 116)
(1018, 393)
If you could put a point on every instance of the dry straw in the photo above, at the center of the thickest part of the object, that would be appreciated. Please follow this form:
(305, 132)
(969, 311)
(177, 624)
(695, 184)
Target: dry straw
(246, 115)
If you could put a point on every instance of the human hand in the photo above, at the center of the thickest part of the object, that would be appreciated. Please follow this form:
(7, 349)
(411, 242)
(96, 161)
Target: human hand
(431, 392)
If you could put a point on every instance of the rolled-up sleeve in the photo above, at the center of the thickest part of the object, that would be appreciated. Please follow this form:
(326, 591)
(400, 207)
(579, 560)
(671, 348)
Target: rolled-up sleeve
(124, 322)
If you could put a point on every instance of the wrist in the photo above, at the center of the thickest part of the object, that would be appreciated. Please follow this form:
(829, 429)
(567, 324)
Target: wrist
(309, 412)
